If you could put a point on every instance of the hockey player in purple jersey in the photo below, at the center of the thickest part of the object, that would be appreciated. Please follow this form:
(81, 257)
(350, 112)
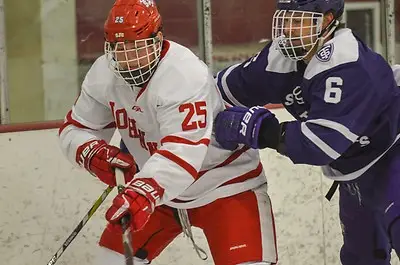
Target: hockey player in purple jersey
(347, 107)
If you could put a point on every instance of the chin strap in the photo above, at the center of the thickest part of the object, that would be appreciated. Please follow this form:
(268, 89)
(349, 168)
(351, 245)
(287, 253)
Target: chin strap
(326, 32)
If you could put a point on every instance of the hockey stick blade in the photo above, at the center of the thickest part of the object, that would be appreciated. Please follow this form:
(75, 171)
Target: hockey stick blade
(79, 227)
(128, 251)
(126, 236)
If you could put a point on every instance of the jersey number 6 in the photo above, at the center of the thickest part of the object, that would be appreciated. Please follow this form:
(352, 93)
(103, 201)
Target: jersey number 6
(194, 109)
(333, 91)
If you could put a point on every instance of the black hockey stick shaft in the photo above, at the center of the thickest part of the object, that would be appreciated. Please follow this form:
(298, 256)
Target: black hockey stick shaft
(126, 231)
(79, 227)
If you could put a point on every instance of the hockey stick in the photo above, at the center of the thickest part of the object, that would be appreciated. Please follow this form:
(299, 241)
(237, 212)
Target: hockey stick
(79, 227)
(126, 231)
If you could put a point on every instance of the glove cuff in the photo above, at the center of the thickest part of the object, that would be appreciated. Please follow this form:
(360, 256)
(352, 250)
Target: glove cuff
(86, 151)
(268, 133)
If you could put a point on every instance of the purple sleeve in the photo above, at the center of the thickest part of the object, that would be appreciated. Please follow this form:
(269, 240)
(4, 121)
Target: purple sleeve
(249, 83)
(344, 103)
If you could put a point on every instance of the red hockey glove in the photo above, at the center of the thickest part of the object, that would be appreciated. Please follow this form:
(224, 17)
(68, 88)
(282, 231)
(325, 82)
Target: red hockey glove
(138, 201)
(100, 159)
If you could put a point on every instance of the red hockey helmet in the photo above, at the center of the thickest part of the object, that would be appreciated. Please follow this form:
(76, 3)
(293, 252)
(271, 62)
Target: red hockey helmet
(131, 20)
(133, 45)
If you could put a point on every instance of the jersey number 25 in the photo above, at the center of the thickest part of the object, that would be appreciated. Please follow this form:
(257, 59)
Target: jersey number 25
(197, 110)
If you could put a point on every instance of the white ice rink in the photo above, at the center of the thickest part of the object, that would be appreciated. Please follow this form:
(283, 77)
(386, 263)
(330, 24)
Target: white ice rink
(42, 199)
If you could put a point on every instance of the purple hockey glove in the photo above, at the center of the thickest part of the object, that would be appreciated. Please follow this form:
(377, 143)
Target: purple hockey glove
(240, 125)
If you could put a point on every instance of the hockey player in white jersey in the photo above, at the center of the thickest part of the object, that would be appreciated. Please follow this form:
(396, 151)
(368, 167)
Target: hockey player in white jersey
(163, 100)
(347, 109)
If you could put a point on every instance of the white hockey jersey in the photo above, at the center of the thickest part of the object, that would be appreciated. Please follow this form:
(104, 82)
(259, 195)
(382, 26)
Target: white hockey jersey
(167, 127)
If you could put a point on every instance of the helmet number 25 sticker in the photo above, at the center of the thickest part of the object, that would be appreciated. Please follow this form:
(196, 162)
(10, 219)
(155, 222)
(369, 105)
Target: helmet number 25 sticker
(119, 20)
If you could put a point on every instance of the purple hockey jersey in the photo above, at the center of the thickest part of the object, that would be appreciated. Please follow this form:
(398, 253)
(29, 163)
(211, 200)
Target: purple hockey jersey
(346, 102)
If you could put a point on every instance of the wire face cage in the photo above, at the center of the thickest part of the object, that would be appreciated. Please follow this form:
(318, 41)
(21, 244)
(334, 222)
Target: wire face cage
(295, 33)
(134, 61)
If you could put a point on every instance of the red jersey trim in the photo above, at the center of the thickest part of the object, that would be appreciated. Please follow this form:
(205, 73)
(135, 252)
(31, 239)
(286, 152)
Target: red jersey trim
(229, 160)
(180, 140)
(249, 175)
(179, 161)
(70, 121)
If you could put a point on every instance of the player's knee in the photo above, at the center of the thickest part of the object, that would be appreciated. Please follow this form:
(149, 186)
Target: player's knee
(392, 222)
(392, 217)
(394, 234)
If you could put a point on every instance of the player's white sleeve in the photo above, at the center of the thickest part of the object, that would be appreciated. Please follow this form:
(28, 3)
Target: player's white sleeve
(186, 126)
(89, 118)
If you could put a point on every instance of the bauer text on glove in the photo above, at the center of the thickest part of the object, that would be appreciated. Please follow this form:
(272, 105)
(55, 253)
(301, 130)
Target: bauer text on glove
(137, 201)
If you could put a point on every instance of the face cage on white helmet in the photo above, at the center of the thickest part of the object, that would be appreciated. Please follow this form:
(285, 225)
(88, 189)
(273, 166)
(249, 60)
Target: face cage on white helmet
(134, 61)
(295, 33)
